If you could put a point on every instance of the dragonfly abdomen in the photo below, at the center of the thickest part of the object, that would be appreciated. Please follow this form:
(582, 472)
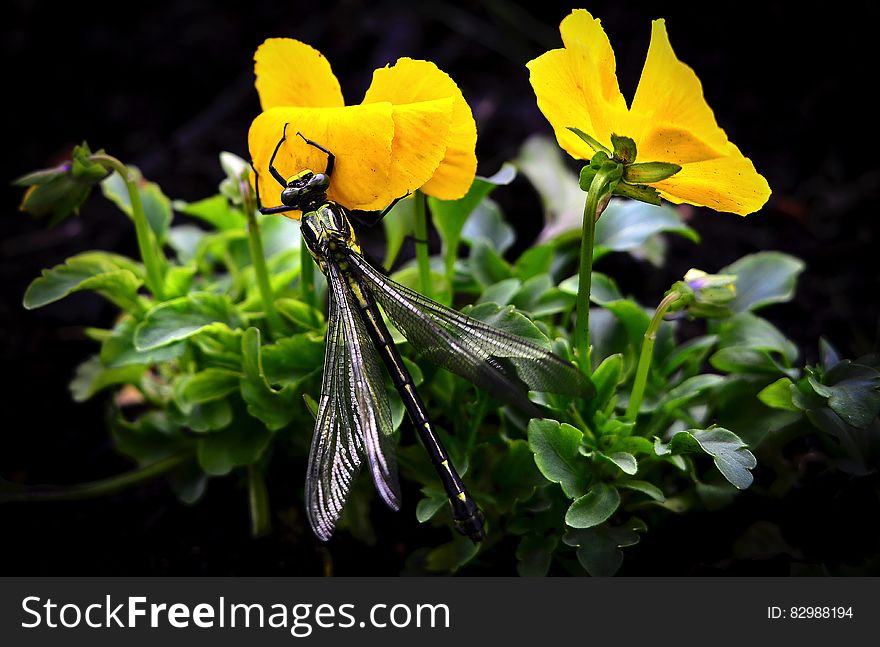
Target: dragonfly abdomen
(466, 514)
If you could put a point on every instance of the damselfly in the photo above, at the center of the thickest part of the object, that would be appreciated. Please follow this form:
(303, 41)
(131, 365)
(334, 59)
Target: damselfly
(354, 417)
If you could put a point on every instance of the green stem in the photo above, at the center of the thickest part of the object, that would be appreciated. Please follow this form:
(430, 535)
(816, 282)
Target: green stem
(151, 255)
(641, 379)
(598, 190)
(258, 498)
(307, 276)
(258, 258)
(420, 232)
(111, 485)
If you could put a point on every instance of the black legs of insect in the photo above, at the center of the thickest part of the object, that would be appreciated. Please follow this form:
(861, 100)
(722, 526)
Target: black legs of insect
(331, 160)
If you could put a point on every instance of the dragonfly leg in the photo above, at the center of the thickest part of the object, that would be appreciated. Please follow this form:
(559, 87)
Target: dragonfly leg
(278, 177)
(373, 218)
(331, 158)
(266, 210)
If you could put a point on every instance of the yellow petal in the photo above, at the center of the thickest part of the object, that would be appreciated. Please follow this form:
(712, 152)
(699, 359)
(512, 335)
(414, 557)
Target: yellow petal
(421, 133)
(670, 143)
(359, 136)
(577, 86)
(670, 96)
(728, 183)
(412, 81)
(291, 73)
(583, 36)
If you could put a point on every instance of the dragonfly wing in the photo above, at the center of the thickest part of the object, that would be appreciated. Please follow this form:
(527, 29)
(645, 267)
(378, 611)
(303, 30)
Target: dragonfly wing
(494, 359)
(336, 453)
(354, 417)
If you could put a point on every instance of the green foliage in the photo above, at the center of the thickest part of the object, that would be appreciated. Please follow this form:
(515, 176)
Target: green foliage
(197, 372)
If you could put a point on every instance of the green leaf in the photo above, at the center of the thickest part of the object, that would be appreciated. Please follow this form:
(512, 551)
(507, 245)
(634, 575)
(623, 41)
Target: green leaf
(534, 554)
(185, 241)
(486, 264)
(644, 487)
(731, 455)
(501, 293)
(634, 318)
(178, 280)
(221, 344)
(434, 501)
(778, 395)
(118, 349)
(209, 416)
(242, 443)
(157, 207)
(486, 223)
(598, 549)
(112, 276)
(204, 386)
(409, 277)
(540, 160)
(274, 408)
(763, 278)
(300, 314)
(607, 377)
(740, 359)
(750, 331)
(150, 438)
(292, 359)
(603, 289)
(507, 318)
(92, 376)
(858, 450)
(183, 317)
(216, 211)
(625, 461)
(535, 261)
(449, 216)
(632, 444)
(689, 390)
(451, 556)
(593, 508)
(626, 225)
(515, 476)
(556, 454)
(853, 392)
(398, 224)
(689, 355)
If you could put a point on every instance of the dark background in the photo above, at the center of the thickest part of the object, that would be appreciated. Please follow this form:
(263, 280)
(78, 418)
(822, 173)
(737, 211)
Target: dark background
(167, 86)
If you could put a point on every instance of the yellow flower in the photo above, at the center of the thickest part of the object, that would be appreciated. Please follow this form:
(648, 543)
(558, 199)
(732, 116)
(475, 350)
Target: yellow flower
(412, 130)
(669, 119)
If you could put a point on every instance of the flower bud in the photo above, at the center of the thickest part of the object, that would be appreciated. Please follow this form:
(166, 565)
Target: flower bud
(61, 191)
(704, 295)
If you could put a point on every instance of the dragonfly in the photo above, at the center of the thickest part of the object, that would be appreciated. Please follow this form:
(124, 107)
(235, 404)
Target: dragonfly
(353, 422)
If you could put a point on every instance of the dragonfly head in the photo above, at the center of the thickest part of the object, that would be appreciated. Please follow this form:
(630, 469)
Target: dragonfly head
(306, 190)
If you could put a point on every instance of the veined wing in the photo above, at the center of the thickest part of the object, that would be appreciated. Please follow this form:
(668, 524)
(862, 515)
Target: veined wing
(354, 418)
(496, 360)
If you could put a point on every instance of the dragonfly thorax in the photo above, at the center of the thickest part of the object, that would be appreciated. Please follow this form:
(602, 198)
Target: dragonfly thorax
(328, 233)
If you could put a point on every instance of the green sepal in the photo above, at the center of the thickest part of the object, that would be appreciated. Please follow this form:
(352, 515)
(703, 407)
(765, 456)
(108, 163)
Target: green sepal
(624, 149)
(594, 143)
(649, 172)
(640, 192)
